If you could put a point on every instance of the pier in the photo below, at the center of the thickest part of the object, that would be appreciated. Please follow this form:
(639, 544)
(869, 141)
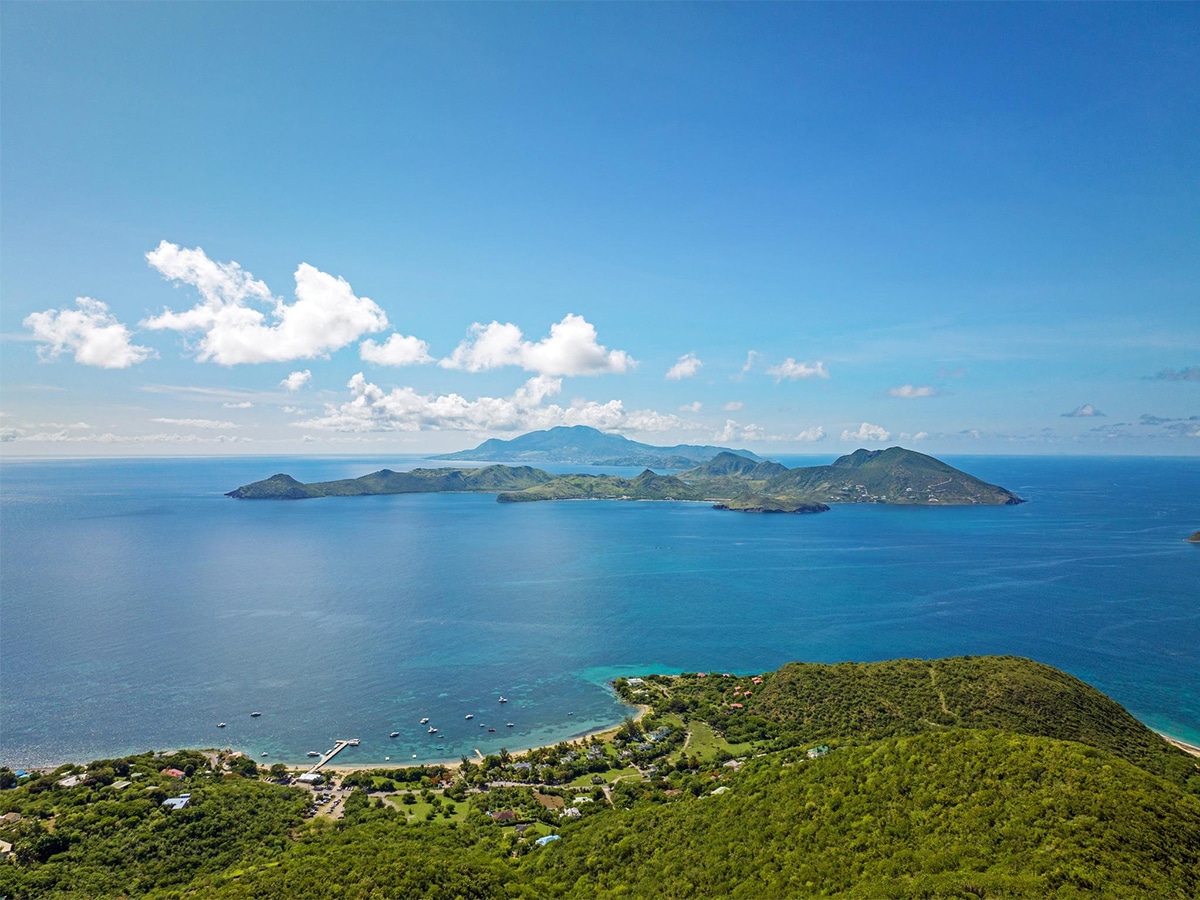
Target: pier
(338, 747)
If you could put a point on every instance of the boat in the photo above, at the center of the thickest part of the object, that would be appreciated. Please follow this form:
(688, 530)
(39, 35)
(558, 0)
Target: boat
(503, 699)
(313, 753)
(353, 742)
(469, 716)
(220, 724)
(255, 715)
(432, 730)
(262, 754)
(508, 724)
(425, 721)
(394, 734)
(491, 729)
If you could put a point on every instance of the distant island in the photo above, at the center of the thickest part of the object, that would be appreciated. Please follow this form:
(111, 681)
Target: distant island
(1195, 538)
(735, 482)
(582, 445)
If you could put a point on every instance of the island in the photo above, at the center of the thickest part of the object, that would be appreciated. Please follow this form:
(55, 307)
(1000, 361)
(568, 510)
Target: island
(1195, 538)
(735, 482)
(583, 445)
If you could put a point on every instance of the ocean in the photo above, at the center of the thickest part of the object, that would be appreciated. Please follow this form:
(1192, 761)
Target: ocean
(140, 608)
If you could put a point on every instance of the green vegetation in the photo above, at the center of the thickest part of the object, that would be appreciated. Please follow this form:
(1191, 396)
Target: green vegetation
(761, 503)
(646, 486)
(967, 777)
(1195, 537)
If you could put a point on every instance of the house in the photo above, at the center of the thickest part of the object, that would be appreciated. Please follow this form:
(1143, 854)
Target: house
(5, 849)
(521, 829)
(10, 818)
(571, 812)
(736, 706)
(543, 841)
(121, 785)
(311, 778)
(636, 682)
(179, 802)
(504, 815)
(721, 790)
(814, 752)
(71, 781)
(172, 773)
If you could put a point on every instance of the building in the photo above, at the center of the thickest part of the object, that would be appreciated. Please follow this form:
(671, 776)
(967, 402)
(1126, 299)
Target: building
(179, 802)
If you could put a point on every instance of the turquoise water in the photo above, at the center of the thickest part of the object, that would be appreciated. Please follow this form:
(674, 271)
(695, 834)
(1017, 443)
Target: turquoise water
(139, 607)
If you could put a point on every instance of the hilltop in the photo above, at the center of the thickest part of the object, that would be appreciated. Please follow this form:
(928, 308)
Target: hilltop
(488, 479)
(587, 446)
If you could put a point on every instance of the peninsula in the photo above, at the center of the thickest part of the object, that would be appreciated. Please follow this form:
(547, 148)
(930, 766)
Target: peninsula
(733, 481)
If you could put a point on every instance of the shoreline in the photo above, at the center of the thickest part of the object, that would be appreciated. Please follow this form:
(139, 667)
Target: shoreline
(602, 732)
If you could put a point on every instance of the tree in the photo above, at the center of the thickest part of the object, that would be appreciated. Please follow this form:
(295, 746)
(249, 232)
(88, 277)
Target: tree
(279, 771)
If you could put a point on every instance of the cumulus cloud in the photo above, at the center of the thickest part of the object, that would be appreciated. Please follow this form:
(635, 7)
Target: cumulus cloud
(325, 317)
(808, 435)
(1191, 373)
(693, 407)
(867, 432)
(1086, 411)
(403, 409)
(687, 366)
(91, 332)
(245, 404)
(732, 406)
(296, 380)
(197, 423)
(397, 350)
(909, 391)
(570, 349)
(733, 431)
(792, 370)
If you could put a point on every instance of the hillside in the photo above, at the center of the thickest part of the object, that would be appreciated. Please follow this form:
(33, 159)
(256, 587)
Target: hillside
(951, 778)
(587, 446)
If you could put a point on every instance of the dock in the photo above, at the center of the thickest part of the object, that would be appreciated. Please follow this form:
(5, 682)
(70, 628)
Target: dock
(338, 747)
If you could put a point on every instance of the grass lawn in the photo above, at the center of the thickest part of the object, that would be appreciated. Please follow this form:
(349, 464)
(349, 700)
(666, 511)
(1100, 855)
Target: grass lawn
(419, 810)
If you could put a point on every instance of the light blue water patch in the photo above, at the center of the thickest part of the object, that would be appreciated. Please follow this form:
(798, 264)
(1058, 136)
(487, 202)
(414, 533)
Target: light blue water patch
(139, 607)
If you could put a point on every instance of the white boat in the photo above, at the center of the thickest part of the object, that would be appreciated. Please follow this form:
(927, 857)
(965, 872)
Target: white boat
(508, 724)
(313, 753)
(469, 716)
(432, 730)
(220, 724)
(394, 734)
(353, 742)
(255, 715)
(425, 721)
(503, 699)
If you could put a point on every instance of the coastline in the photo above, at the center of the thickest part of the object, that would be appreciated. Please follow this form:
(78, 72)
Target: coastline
(1182, 745)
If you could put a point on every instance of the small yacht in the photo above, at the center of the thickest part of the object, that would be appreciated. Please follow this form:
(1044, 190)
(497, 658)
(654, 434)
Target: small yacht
(220, 724)
(431, 730)
(313, 753)
(508, 724)
(469, 716)
(425, 721)
(394, 734)
(263, 754)
(353, 742)
(491, 729)
(503, 699)
(255, 715)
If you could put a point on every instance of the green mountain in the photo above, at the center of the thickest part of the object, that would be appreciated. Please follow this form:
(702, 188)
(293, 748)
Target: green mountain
(894, 475)
(761, 503)
(488, 479)
(587, 446)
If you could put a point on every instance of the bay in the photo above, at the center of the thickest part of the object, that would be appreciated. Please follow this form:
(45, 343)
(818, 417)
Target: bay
(139, 607)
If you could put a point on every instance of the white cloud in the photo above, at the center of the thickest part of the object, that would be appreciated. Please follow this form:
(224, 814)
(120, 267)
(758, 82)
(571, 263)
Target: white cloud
(750, 358)
(297, 380)
(1086, 411)
(921, 436)
(245, 404)
(909, 391)
(733, 431)
(816, 433)
(687, 366)
(403, 409)
(867, 432)
(91, 332)
(693, 407)
(570, 349)
(197, 423)
(792, 370)
(732, 406)
(397, 350)
(325, 317)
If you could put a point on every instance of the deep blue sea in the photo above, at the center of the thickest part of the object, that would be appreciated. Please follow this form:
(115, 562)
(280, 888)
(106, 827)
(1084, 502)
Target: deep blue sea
(139, 607)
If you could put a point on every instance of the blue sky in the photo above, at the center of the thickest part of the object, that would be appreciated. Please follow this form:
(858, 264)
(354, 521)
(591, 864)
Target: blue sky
(800, 228)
